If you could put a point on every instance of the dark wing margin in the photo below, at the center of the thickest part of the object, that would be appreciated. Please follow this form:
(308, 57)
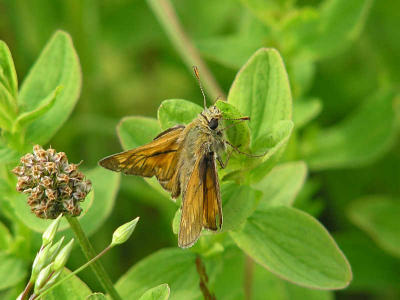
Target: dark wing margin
(158, 158)
(201, 202)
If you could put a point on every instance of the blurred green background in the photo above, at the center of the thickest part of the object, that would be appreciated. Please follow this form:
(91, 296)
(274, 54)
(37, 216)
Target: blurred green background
(129, 66)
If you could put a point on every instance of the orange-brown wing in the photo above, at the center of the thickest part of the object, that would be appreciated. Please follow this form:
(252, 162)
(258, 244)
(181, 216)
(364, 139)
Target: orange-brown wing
(201, 202)
(157, 158)
(212, 210)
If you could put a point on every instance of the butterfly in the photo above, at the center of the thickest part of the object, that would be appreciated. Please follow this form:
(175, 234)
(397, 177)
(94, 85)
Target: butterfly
(183, 159)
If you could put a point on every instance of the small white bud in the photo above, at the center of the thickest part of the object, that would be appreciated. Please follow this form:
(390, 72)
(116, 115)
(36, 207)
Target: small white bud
(62, 257)
(54, 250)
(39, 262)
(43, 277)
(51, 281)
(51, 231)
(123, 233)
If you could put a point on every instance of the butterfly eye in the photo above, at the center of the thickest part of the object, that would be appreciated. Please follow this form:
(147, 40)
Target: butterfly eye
(213, 124)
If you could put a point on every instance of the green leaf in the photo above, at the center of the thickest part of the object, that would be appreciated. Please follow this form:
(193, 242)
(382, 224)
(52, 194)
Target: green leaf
(160, 292)
(228, 282)
(379, 218)
(8, 155)
(268, 11)
(57, 65)
(282, 184)
(220, 48)
(7, 108)
(352, 16)
(24, 119)
(311, 30)
(72, 289)
(239, 134)
(105, 189)
(8, 76)
(251, 35)
(176, 111)
(294, 246)
(268, 286)
(5, 237)
(137, 131)
(238, 203)
(176, 221)
(96, 296)
(305, 110)
(373, 269)
(360, 139)
(12, 270)
(275, 143)
(176, 267)
(261, 90)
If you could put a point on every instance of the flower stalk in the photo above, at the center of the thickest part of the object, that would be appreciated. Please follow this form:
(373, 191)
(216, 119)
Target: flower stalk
(89, 253)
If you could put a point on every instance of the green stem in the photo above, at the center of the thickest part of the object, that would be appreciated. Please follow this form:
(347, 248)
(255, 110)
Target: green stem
(166, 15)
(89, 252)
(81, 268)
(26, 291)
(248, 278)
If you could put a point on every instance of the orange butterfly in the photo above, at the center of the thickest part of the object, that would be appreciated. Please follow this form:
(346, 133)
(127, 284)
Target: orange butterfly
(183, 159)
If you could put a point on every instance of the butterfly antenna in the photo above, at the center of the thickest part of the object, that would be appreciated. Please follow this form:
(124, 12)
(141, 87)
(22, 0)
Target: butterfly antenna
(196, 73)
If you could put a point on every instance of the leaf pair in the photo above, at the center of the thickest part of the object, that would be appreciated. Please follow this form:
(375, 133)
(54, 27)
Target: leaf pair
(46, 97)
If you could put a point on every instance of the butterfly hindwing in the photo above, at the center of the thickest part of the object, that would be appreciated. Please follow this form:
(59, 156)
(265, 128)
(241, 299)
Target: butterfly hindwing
(157, 158)
(201, 202)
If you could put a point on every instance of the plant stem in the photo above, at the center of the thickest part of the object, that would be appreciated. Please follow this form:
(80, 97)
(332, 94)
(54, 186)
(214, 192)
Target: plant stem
(76, 271)
(27, 290)
(89, 252)
(201, 270)
(166, 15)
(248, 277)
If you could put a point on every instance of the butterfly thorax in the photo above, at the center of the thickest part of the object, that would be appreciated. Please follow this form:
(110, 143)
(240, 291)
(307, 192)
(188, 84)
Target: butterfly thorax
(199, 139)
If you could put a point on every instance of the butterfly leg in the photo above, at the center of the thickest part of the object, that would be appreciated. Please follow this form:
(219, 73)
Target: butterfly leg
(244, 153)
(224, 164)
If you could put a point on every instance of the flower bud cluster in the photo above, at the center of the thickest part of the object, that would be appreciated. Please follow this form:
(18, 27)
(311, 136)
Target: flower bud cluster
(54, 186)
(50, 260)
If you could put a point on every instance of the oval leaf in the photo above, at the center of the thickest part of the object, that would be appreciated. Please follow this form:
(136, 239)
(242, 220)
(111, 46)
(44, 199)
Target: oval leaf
(96, 296)
(362, 138)
(261, 91)
(238, 203)
(268, 286)
(5, 237)
(238, 134)
(282, 184)
(12, 270)
(176, 267)
(137, 131)
(305, 111)
(160, 292)
(57, 65)
(379, 217)
(8, 76)
(177, 111)
(294, 246)
(72, 289)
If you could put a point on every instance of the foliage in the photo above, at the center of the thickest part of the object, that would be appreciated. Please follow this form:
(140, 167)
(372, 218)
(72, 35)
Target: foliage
(318, 212)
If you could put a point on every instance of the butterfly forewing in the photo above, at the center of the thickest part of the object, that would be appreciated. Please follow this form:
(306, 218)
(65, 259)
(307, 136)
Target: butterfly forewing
(157, 158)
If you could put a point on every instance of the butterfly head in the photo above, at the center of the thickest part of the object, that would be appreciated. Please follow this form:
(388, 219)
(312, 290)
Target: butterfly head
(211, 117)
